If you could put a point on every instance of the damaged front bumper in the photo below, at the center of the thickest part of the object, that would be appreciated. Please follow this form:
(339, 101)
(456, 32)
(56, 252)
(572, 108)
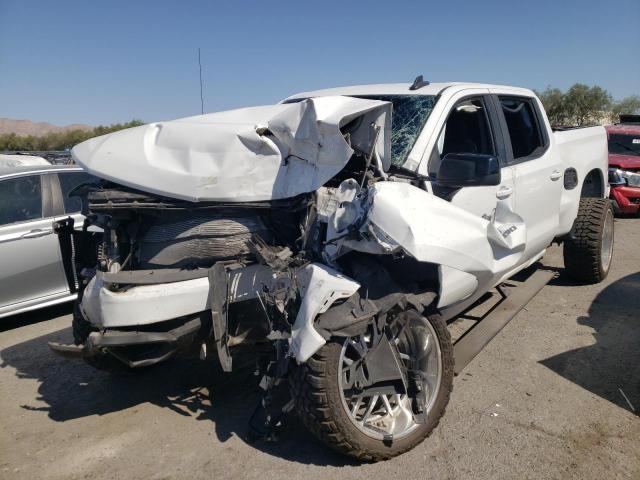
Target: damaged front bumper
(158, 345)
(155, 297)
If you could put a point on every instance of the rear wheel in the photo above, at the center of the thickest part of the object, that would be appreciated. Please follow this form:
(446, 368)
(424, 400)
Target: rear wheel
(589, 249)
(377, 425)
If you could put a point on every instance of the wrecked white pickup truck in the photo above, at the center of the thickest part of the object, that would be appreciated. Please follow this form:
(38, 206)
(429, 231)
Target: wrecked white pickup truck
(336, 234)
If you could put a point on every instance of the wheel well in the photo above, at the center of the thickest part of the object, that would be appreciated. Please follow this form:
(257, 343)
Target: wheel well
(593, 185)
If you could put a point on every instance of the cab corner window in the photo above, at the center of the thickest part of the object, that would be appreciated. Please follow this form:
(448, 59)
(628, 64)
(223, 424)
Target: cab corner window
(522, 124)
(20, 199)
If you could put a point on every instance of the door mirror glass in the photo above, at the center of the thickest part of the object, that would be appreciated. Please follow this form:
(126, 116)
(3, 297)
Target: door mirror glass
(459, 170)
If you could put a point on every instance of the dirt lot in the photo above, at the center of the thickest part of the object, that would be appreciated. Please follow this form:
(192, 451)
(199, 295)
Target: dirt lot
(546, 399)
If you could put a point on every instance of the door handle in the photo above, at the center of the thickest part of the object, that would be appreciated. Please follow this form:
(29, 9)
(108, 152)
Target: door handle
(555, 175)
(504, 192)
(38, 232)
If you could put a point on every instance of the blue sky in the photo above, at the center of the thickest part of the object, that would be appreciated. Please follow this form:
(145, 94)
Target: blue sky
(104, 62)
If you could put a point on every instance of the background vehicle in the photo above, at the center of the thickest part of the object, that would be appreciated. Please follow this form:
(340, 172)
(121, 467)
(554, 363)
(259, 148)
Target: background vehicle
(21, 160)
(31, 199)
(336, 239)
(624, 167)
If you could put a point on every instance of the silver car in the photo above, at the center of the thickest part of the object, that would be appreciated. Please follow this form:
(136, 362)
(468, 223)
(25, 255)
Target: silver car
(32, 274)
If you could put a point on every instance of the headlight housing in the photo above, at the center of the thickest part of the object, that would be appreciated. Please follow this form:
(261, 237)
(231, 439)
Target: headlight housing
(623, 177)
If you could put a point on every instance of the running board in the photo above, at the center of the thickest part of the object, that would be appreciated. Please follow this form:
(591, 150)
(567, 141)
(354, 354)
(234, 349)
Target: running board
(515, 295)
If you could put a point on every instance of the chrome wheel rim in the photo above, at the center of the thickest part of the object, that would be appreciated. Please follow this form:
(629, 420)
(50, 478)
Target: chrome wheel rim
(379, 416)
(606, 251)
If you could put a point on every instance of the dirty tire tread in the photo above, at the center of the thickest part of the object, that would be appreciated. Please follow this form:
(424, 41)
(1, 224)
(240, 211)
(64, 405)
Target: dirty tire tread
(582, 250)
(319, 406)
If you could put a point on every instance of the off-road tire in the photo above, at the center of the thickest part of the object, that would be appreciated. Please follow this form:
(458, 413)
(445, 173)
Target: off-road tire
(583, 260)
(81, 329)
(317, 397)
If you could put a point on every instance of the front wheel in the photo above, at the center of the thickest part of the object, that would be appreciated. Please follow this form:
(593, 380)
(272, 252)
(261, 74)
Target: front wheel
(589, 249)
(380, 424)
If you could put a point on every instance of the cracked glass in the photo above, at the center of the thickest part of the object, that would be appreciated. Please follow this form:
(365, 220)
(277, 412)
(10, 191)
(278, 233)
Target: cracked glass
(410, 113)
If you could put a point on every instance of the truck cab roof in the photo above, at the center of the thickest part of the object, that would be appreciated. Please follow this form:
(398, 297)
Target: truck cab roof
(405, 89)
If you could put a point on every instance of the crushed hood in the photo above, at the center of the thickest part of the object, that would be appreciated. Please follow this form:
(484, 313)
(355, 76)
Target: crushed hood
(250, 154)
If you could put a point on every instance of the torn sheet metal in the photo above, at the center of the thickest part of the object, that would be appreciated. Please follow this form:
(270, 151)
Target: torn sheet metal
(457, 240)
(250, 154)
(320, 286)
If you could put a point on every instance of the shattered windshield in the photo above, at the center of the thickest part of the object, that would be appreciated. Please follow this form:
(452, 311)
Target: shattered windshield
(410, 113)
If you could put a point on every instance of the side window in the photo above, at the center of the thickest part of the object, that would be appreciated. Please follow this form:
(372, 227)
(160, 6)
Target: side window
(522, 123)
(20, 199)
(467, 130)
(69, 181)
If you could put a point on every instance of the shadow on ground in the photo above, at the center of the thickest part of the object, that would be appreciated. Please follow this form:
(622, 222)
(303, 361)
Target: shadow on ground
(611, 367)
(71, 389)
(40, 315)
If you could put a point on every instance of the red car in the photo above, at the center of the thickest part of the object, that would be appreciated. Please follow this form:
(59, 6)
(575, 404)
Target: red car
(624, 167)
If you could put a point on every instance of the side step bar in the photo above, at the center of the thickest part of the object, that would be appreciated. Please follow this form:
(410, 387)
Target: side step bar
(479, 335)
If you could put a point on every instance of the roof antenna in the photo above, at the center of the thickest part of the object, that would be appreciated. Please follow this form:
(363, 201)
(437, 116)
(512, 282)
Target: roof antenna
(201, 99)
(419, 82)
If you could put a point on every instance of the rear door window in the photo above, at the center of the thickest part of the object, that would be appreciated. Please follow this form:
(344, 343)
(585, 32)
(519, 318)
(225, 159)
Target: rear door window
(20, 199)
(522, 124)
(69, 181)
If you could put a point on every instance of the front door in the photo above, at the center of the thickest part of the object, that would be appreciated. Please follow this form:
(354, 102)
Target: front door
(469, 129)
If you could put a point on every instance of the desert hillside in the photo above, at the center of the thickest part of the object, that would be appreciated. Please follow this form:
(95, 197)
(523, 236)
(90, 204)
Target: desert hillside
(27, 127)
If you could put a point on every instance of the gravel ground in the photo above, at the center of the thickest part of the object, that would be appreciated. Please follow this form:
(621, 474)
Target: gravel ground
(553, 396)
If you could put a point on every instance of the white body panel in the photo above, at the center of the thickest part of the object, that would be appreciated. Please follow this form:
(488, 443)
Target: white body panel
(251, 154)
(320, 286)
(144, 304)
(583, 149)
(147, 304)
(472, 249)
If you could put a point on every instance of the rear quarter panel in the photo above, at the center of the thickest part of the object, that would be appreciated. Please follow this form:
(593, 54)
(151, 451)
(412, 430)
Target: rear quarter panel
(584, 149)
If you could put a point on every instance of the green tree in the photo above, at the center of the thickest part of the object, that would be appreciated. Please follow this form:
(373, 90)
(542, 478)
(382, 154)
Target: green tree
(587, 105)
(626, 106)
(581, 105)
(59, 141)
(554, 105)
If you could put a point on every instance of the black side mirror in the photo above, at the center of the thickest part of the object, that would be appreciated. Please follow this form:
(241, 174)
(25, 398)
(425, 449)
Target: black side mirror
(468, 170)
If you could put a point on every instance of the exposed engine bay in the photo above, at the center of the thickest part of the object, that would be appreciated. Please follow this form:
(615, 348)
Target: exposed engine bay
(284, 262)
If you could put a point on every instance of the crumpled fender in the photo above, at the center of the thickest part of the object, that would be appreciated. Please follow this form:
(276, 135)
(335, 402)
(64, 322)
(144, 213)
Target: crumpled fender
(320, 286)
(472, 250)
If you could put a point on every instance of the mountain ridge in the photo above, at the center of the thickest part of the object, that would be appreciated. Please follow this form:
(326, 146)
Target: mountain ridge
(23, 128)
